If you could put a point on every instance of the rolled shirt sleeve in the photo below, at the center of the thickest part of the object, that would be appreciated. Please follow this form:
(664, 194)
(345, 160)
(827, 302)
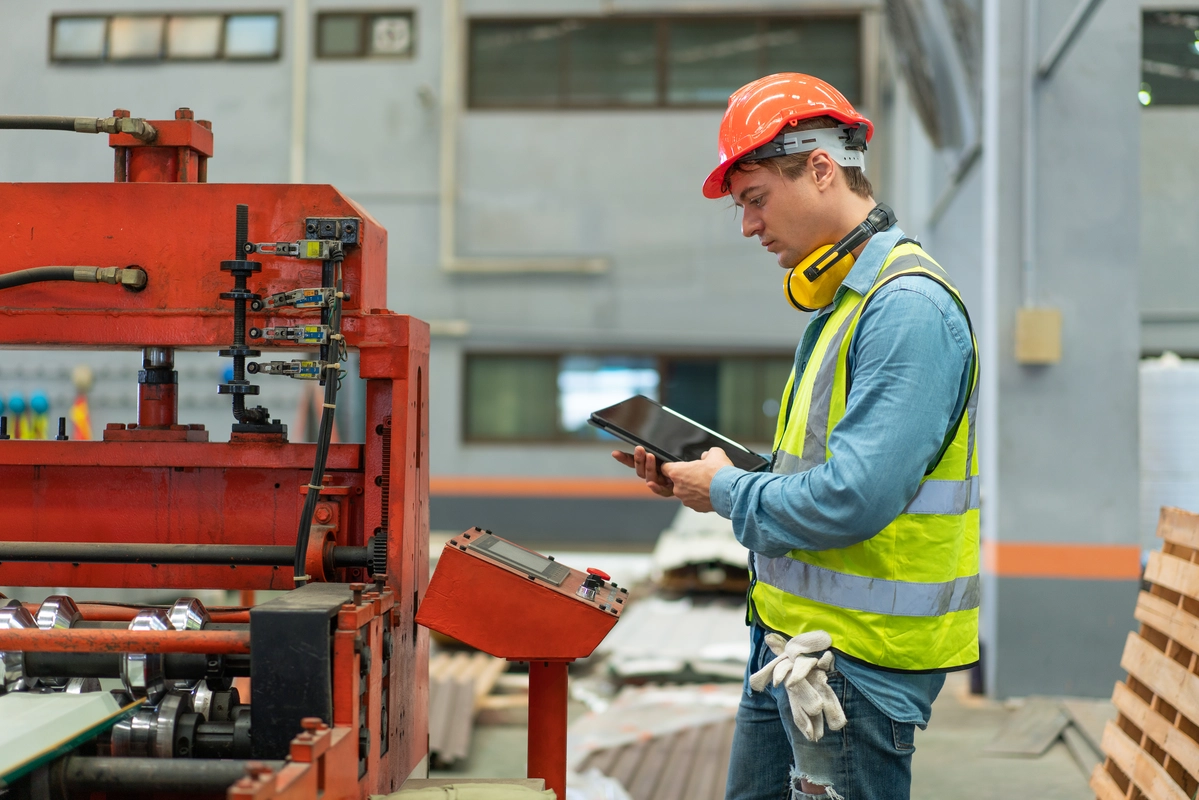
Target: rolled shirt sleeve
(910, 368)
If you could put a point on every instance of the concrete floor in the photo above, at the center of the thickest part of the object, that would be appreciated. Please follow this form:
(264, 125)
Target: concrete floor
(949, 762)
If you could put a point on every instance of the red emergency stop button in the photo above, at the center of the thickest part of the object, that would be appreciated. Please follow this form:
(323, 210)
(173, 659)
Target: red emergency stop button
(599, 573)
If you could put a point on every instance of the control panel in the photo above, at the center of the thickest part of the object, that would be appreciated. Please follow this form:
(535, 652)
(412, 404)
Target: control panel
(518, 604)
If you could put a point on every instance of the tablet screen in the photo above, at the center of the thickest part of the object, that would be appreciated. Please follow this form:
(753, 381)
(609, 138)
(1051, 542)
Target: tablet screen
(668, 434)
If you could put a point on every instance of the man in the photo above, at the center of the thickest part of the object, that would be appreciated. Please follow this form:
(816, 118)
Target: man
(865, 530)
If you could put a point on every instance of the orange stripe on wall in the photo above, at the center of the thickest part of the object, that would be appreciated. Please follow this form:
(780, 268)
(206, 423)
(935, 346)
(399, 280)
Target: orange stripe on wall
(1036, 560)
(582, 488)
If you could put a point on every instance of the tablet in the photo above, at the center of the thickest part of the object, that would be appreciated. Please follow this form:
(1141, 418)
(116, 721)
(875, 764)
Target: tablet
(668, 434)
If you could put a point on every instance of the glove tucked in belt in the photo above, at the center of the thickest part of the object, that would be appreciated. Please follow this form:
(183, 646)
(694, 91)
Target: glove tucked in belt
(805, 678)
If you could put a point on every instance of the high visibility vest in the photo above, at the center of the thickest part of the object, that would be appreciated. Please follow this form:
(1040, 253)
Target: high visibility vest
(907, 598)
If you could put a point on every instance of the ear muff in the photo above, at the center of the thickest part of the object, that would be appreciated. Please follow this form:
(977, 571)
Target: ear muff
(813, 282)
(830, 265)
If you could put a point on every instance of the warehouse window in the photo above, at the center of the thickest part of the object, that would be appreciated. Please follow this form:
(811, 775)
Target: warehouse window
(549, 397)
(156, 37)
(1169, 58)
(640, 62)
(362, 34)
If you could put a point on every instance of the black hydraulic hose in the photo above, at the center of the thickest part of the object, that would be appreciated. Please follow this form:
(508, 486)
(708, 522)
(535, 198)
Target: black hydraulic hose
(36, 122)
(131, 277)
(134, 126)
(36, 275)
(332, 379)
(126, 775)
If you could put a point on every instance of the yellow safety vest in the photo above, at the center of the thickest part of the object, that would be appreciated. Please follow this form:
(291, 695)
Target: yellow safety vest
(907, 598)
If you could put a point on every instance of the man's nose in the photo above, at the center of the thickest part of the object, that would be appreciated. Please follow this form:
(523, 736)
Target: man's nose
(750, 224)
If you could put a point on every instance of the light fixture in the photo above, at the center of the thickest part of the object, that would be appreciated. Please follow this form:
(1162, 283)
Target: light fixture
(1145, 95)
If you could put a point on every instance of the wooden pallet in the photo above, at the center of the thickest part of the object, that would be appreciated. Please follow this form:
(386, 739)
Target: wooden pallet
(1152, 749)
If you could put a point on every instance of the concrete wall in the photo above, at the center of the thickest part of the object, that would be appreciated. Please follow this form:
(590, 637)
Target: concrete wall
(1059, 442)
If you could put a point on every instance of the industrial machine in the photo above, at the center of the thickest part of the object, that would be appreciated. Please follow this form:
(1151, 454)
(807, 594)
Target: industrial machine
(161, 260)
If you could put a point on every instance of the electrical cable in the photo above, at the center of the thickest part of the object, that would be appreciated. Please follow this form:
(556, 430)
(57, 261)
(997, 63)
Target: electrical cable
(325, 435)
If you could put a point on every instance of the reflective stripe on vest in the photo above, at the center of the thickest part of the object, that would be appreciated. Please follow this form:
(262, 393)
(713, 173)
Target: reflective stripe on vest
(906, 598)
(878, 596)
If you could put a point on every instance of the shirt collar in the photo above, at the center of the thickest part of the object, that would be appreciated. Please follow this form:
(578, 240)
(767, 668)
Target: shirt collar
(865, 269)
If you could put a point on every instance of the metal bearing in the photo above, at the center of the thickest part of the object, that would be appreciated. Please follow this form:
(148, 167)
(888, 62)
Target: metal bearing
(142, 673)
(58, 612)
(12, 662)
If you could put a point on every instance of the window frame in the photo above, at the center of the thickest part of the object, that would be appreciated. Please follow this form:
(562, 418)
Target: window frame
(661, 361)
(366, 17)
(661, 61)
(163, 57)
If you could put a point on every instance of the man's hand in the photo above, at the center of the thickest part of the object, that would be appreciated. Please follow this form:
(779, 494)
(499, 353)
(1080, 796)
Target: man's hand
(692, 479)
(647, 470)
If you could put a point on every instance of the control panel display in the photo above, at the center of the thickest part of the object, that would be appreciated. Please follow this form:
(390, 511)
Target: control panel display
(518, 558)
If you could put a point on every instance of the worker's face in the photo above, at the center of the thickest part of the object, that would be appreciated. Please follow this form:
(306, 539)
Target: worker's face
(790, 217)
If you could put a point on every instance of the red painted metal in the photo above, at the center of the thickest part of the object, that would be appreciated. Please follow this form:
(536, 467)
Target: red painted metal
(106, 640)
(547, 724)
(161, 481)
(512, 614)
(157, 405)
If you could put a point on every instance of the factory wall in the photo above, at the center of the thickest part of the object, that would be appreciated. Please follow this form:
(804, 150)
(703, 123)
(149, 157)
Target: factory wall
(618, 185)
(1059, 457)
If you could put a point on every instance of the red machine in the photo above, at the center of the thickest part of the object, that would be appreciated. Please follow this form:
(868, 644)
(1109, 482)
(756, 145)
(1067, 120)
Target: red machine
(339, 697)
(513, 603)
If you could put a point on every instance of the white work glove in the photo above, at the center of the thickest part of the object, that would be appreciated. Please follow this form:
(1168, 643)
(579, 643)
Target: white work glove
(813, 703)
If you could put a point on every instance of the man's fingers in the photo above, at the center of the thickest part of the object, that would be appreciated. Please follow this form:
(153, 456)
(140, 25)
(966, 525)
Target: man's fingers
(659, 489)
(623, 458)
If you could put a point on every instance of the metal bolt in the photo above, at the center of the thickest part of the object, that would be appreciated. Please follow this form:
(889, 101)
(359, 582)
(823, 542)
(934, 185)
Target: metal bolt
(357, 589)
(120, 112)
(312, 724)
(184, 113)
(323, 514)
(256, 769)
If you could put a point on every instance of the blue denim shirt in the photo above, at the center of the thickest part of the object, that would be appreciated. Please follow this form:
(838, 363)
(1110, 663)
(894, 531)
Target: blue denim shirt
(910, 362)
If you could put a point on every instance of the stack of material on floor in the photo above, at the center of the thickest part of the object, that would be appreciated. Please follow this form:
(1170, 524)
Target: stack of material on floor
(660, 742)
(1041, 721)
(679, 640)
(1153, 746)
(699, 553)
(457, 685)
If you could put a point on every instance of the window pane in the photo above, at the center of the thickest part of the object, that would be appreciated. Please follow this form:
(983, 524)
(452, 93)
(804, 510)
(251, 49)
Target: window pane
(391, 36)
(252, 36)
(339, 35)
(828, 49)
(692, 389)
(1169, 58)
(516, 64)
(135, 37)
(589, 383)
(511, 397)
(749, 392)
(708, 60)
(612, 63)
(194, 37)
(79, 38)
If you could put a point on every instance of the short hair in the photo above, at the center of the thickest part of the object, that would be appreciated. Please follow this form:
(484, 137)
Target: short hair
(792, 166)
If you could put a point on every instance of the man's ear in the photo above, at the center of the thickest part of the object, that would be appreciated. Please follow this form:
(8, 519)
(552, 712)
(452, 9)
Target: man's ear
(822, 168)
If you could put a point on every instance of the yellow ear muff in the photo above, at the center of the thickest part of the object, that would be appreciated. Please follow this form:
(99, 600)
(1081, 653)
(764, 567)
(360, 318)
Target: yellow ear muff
(809, 295)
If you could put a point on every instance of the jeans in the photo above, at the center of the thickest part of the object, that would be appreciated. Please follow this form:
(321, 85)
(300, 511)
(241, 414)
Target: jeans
(869, 759)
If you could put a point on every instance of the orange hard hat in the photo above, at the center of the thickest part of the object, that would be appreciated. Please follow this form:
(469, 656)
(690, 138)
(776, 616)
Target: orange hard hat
(758, 112)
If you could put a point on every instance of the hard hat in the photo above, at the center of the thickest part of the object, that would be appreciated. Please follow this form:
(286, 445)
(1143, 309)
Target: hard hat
(758, 112)
(16, 404)
(39, 403)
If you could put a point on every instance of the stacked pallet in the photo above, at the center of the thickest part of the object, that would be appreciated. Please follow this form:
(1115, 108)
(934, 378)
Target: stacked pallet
(457, 685)
(689, 764)
(1152, 749)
